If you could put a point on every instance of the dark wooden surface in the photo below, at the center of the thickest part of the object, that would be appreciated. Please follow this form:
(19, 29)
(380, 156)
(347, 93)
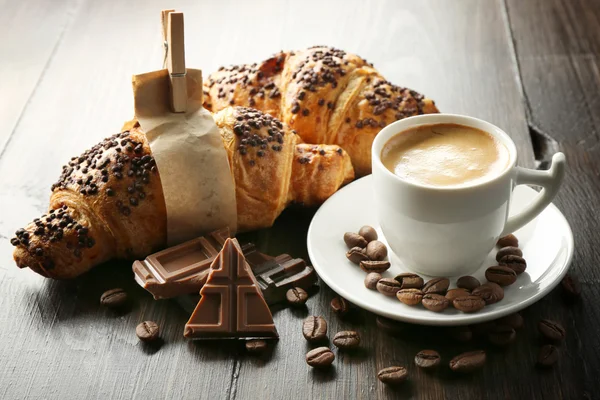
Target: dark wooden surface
(65, 70)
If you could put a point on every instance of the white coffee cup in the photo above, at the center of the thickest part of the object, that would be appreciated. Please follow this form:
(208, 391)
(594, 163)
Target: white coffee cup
(449, 231)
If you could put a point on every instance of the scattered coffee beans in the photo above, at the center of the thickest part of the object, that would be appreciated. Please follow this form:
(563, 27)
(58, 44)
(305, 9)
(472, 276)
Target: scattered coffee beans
(436, 286)
(320, 357)
(455, 293)
(515, 321)
(435, 302)
(468, 362)
(503, 276)
(353, 240)
(552, 330)
(371, 280)
(428, 359)
(410, 297)
(376, 251)
(516, 263)
(392, 375)
(571, 286)
(490, 292)
(340, 305)
(256, 346)
(296, 296)
(388, 286)
(508, 251)
(468, 282)
(468, 304)
(409, 281)
(548, 356)
(368, 232)
(147, 331)
(314, 328)
(346, 340)
(356, 255)
(113, 298)
(501, 335)
(509, 240)
(374, 266)
(461, 334)
(390, 326)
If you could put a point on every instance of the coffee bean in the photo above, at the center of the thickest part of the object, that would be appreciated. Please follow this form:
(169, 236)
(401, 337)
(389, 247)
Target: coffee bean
(388, 286)
(354, 240)
(435, 302)
(256, 346)
(515, 321)
(296, 296)
(368, 232)
(409, 280)
(314, 328)
(571, 286)
(468, 362)
(320, 357)
(376, 251)
(147, 331)
(371, 280)
(508, 251)
(392, 375)
(509, 240)
(468, 304)
(410, 297)
(490, 292)
(428, 359)
(552, 330)
(346, 339)
(113, 298)
(516, 263)
(468, 282)
(356, 255)
(390, 326)
(455, 293)
(503, 276)
(548, 356)
(340, 305)
(374, 266)
(460, 333)
(436, 285)
(501, 335)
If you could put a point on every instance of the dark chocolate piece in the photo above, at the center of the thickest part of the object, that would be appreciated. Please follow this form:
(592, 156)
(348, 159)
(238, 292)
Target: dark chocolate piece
(232, 305)
(180, 269)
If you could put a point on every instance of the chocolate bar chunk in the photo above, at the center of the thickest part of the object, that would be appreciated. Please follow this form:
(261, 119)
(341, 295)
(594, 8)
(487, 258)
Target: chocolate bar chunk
(180, 269)
(275, 275)
(232, 305)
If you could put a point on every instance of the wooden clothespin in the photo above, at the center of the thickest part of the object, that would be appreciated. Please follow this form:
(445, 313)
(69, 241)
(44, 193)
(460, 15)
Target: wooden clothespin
(172, 27)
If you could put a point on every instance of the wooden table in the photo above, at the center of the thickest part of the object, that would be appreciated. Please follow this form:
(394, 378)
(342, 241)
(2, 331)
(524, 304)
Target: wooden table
(530, 66)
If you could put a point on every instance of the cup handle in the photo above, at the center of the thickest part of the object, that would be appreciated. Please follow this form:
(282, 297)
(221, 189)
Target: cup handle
(550, 181)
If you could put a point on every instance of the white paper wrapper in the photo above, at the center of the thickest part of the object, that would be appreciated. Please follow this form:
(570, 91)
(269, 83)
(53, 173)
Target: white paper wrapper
(197, 183)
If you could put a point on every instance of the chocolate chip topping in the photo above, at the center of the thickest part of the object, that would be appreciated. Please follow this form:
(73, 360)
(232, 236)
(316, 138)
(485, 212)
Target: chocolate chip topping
(255, 131)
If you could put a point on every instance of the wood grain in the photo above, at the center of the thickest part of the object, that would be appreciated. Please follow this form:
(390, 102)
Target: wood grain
(59, 343)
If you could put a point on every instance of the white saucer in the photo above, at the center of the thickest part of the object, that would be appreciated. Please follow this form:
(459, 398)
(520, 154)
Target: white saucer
(547, 244)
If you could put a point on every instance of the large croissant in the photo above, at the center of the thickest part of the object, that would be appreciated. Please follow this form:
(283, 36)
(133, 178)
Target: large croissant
(325, 94)
(108, 202)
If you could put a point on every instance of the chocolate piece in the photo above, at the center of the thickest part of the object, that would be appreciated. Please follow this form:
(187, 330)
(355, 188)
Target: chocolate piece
(232, 305)
(180, 269)
(275, 275)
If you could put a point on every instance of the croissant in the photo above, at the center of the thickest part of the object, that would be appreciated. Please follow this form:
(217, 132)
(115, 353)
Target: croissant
(325, 94)
(108, 202)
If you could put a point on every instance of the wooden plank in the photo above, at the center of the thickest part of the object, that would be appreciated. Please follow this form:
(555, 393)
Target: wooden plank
(30, 36)
(558, 50)
(58, 342)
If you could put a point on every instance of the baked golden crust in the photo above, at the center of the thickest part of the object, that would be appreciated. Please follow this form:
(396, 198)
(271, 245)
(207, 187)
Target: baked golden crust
(108, 203)
(325, 94)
